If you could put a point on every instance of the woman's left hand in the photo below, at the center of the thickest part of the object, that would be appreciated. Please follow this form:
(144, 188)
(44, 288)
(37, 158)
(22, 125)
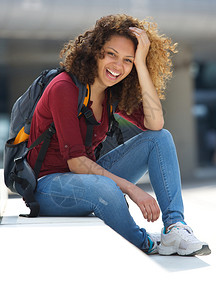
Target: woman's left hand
(142, 47)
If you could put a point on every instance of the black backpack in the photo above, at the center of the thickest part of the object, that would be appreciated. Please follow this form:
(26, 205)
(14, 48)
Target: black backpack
(18, 175)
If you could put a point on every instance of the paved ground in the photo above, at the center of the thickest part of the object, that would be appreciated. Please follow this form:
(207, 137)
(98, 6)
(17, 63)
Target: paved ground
(81, 258)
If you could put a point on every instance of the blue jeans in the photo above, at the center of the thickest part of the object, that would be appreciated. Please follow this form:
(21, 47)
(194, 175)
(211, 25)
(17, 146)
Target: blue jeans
(69, 194)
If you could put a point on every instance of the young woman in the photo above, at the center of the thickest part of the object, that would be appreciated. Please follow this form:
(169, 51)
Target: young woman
(127, 59)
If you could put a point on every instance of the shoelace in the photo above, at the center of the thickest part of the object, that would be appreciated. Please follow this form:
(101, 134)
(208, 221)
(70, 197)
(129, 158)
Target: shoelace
(185, 231)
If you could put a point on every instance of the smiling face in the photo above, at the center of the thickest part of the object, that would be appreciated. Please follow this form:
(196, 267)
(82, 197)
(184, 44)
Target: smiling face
(117, 62)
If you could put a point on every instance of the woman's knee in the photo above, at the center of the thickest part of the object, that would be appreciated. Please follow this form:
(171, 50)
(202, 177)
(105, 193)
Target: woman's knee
(160, 135)
(108, 193)
(163, 133)
(105, 186)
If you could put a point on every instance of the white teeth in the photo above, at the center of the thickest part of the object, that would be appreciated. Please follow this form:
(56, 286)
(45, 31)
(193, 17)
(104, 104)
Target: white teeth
(113, 73)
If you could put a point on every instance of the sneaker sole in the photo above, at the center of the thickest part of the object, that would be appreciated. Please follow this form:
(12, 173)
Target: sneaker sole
(203, 251)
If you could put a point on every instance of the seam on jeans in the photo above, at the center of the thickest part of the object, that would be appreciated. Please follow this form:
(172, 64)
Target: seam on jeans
(162, 170)
(166, 186)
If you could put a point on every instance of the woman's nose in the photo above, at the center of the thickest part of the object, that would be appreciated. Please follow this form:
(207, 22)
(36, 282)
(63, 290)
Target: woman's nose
(119, 63)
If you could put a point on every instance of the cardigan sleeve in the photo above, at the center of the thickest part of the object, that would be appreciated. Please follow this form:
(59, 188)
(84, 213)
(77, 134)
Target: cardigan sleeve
(136, 118)
(63, 105)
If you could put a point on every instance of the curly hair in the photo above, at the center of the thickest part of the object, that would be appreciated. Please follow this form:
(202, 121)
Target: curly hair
(80, 57)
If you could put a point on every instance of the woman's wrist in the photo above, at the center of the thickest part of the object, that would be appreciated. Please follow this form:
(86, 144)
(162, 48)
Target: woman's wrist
(130, 189)
(141, 67)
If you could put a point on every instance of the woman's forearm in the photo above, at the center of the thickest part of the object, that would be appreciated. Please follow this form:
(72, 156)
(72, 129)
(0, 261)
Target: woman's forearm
(152, 107)
(153, 113)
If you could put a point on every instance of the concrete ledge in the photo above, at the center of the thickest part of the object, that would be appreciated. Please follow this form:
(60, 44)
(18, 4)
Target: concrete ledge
(82, 258)
(63, 261)
(84, 221)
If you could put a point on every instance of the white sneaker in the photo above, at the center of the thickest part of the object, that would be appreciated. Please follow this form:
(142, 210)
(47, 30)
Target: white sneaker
(181, 240)
(154, 241)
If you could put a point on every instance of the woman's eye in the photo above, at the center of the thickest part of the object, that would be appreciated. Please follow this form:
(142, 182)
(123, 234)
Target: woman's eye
(111, 53)
(128, 60)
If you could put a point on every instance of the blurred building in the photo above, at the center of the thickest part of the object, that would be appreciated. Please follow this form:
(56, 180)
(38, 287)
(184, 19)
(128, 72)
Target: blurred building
(33, 31)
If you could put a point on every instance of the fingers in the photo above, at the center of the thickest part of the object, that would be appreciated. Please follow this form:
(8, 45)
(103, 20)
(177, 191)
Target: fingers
(144, 212)
(151, 212)
(147, 204)
(143, 45)
(140, 34)
(155, 212)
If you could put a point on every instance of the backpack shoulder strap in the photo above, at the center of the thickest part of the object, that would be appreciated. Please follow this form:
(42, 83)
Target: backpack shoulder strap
(46, 138)
(83, 109)
(84, 93)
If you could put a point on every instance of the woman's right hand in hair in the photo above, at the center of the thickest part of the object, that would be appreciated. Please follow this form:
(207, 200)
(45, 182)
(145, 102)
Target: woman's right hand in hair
(147, 204)
(142, 47)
